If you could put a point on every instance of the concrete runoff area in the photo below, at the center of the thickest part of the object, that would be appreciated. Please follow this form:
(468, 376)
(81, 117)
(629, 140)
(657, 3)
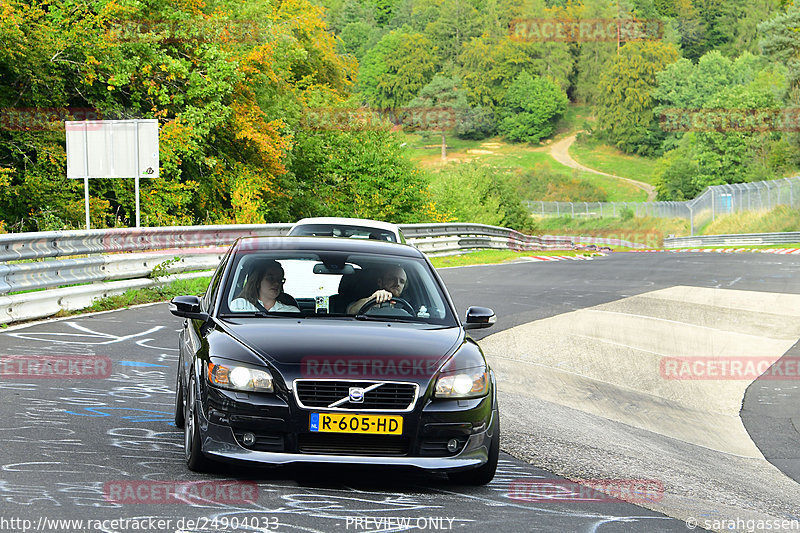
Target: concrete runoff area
(588, 395)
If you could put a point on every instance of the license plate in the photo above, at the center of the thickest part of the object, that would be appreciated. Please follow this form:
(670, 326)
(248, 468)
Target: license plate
(344, 423)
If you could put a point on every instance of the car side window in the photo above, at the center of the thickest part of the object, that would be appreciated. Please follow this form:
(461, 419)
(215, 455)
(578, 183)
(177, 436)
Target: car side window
(213, 285)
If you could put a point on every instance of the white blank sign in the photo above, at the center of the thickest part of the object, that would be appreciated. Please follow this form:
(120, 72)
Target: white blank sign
(107, 148)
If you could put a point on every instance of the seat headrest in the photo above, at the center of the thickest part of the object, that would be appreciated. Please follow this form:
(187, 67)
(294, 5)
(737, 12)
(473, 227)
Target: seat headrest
(358, 284)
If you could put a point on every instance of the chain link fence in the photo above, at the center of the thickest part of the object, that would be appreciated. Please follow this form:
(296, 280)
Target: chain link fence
(715, 201)
(608, 209)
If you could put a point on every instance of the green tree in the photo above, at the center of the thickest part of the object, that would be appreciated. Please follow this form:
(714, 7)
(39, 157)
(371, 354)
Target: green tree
(531, 108)
(359, 173)
(625, 105)
(395, 70)
(781, 43)
(437, 106)
(734, 156)
(448, 24)
(463, 193)
(676, 173)
(476, 123)
(490, 65)
(384, 9)
(223, 90)
(591, 57)
(470, 192)
(358, 38)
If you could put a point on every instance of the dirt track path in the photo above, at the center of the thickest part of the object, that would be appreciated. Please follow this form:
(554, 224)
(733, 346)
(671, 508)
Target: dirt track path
(560, 152)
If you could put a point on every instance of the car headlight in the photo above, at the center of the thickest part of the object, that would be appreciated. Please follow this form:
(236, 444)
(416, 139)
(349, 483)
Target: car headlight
(241, 378)
(464, 375)
(464, 384)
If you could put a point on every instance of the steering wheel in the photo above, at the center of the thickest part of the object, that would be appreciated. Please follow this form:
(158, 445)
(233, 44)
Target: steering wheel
(369, 304)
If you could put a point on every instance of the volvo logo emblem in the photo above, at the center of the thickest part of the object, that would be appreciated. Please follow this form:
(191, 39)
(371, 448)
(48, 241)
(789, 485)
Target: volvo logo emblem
(356, 395)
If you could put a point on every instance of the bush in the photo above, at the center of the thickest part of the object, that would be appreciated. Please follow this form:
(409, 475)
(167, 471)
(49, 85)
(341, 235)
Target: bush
(626, 213)
(469, 192)
(531, 108)
(475, 123)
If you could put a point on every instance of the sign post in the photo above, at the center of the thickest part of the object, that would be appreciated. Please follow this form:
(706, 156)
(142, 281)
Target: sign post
(86, 177)
(112, 149)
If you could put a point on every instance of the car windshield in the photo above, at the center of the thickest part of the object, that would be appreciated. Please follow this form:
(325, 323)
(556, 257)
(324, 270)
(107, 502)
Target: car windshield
(342, 230)
(333, 284)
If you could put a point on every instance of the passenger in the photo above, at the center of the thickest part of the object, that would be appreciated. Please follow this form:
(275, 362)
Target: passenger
(391, 284)
(263, 290)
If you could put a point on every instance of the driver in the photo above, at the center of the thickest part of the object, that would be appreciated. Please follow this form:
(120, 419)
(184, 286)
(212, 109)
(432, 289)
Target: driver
(390, 285)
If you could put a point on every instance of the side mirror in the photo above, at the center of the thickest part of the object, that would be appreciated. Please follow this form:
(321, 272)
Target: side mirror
(187, 307)
(479, 317)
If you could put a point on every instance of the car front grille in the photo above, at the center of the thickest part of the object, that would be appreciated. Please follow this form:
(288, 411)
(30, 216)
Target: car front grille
(388, 396)
(375, 445)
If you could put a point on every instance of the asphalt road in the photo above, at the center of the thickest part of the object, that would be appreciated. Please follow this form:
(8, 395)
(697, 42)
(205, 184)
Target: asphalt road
(68, 443)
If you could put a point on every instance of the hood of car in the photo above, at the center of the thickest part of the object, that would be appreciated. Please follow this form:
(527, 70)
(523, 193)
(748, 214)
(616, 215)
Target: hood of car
(349, 349)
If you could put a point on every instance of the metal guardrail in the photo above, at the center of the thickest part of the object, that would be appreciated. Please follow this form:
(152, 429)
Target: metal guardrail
(15, 246)
(120, 259)
(108, 263)
(47, 260)
(48, 274)
(744, 239)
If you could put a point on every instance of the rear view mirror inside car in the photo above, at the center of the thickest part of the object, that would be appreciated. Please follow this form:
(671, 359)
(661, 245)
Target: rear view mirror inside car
(322, 268)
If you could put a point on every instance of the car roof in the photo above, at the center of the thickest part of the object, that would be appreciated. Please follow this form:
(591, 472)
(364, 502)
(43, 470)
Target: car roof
(325, 244)
(349, 222)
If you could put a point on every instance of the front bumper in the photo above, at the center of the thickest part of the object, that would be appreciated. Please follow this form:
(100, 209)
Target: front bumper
(220, 443)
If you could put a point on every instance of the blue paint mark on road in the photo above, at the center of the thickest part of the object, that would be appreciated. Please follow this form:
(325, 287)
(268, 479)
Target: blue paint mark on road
(137, 363)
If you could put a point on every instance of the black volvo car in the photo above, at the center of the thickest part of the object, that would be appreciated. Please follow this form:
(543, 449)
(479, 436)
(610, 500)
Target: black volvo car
(324, 350)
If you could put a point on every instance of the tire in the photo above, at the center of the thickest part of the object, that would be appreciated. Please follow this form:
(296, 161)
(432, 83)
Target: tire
(180, 406)
(195, 460)
(484, 473)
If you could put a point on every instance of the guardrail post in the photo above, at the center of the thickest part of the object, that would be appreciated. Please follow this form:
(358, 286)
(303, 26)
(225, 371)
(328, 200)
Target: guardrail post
(572, 206)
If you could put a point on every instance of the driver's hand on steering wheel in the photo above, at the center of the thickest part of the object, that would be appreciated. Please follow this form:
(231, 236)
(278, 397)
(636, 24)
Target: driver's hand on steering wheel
(382, 296)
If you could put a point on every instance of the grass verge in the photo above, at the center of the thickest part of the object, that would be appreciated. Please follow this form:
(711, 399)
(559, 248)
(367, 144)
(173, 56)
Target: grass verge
(608, 159)
(144, 296)
(488, 257)
(645, 230)
(782, 218)
(530, 169)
